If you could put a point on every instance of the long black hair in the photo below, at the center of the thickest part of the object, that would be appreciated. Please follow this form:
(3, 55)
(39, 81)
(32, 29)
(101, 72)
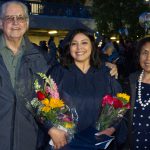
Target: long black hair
(67, 59)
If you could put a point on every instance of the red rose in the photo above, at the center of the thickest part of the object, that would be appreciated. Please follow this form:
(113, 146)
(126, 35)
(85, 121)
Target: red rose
(107, 100)
(117, 103)
(40, 95)
(128, 106)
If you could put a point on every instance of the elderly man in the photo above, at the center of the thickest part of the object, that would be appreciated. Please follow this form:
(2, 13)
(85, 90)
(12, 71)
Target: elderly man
(19, 63)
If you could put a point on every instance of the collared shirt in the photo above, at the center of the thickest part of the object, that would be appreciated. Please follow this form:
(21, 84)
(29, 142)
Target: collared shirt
(11, 61)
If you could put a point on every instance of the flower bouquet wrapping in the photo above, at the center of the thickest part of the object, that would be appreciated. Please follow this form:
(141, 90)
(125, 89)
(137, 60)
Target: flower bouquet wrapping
(113, 110)
(47, 107)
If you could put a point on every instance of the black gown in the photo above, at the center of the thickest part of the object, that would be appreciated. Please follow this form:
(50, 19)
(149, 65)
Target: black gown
(84, 92)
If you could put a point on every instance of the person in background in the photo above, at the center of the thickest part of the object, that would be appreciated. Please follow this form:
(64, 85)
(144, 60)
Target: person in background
(109, 53)
(52, 50)
(60, 50)
(139, 115)
(19, 63)
(44, 49)
(83, 79)
(43, 45)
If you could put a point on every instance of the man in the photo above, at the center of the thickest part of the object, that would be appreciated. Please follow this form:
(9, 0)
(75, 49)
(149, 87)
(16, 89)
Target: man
(19, 63)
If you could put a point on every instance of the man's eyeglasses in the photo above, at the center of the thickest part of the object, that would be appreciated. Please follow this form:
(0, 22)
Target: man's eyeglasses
(11, 19)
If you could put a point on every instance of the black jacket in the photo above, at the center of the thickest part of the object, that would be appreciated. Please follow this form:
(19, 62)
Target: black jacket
(18, 129)
(131, 90)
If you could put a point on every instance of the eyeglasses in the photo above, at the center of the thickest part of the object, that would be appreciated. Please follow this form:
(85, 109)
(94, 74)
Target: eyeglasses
(11, 19)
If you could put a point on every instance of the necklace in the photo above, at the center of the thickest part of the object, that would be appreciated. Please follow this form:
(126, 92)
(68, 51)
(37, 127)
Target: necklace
(139, 92)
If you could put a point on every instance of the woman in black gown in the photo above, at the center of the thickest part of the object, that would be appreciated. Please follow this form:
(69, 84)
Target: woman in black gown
(83, 80)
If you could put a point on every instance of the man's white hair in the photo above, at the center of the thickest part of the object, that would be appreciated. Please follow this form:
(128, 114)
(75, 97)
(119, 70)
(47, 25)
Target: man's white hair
(6, 4)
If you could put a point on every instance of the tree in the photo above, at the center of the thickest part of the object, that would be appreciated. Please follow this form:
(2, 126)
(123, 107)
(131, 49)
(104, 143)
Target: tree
(112, 15)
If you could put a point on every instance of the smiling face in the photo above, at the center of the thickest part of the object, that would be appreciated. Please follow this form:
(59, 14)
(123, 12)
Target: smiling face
(81, 48)
(12, 25)
(145, 57)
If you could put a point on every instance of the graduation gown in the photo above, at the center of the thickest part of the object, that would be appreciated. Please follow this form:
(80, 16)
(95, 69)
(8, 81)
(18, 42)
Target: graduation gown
(84, 91)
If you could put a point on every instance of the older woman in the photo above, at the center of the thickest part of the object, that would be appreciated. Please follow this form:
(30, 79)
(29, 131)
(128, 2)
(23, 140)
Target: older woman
(86, 81)
(139, 126)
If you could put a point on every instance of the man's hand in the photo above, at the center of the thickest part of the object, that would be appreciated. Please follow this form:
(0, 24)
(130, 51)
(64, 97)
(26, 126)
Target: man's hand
(113, 69)
(58, 137)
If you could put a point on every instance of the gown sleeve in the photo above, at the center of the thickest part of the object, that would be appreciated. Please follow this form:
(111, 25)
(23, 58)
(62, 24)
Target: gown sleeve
(113, 85)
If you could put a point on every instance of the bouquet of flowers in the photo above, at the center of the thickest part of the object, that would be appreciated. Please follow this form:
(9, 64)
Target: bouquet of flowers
(49, 108)
(113, 110)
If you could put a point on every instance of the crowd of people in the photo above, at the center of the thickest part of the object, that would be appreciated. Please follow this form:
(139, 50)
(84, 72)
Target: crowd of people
(82, 71)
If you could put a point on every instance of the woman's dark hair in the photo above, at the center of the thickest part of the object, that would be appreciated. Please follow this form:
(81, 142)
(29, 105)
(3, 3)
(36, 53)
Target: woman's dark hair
(67, 59)
(139, 47)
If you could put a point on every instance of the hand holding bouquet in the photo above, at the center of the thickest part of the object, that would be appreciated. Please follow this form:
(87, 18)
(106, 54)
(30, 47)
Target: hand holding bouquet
(49, 108)
(113, 110)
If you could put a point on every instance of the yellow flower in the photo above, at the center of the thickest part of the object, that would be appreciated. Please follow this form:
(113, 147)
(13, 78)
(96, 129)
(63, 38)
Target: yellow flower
(124, 96)
(56, 103)
(51, 104)
(45, 109)
(46, 102)
(69, 125)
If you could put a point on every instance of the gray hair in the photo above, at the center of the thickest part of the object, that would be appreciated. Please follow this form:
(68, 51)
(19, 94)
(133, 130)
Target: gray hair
(6, 4)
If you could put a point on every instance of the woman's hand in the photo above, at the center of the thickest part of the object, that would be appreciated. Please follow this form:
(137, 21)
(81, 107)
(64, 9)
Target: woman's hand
(113, 69)
(58, 137)
(108, 131)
